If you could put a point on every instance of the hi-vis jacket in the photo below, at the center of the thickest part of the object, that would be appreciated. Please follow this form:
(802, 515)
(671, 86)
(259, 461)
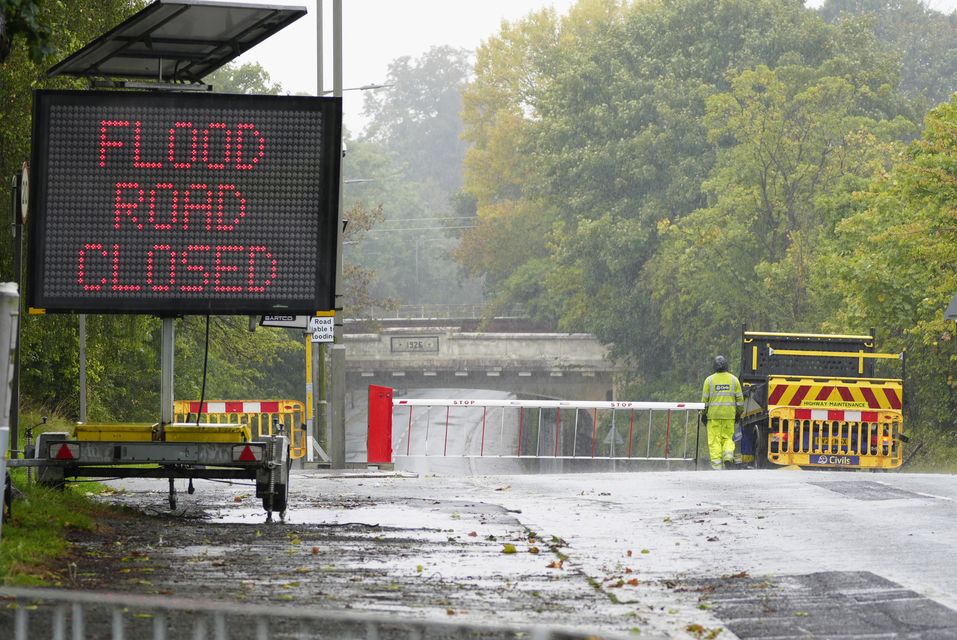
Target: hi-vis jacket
(722, 396)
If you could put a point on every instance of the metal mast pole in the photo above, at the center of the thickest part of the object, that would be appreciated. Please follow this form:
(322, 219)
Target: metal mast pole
(167, 344)
(337, 436)
(318, 351)
(82, 367)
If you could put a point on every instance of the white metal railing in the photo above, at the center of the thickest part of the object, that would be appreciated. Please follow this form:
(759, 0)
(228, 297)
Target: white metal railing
(60, 614)
(545, 428)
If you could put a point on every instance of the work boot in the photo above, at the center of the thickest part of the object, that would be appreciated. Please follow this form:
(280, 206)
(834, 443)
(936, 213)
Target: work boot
(717, 466)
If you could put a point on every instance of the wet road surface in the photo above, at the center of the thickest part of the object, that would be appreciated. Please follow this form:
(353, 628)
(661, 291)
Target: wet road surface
(749, 554)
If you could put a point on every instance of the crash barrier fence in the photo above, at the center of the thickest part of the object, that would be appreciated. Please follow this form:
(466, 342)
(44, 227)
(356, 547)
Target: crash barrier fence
(852, 438)
(61, 614)
(262, 417)
(547, 428)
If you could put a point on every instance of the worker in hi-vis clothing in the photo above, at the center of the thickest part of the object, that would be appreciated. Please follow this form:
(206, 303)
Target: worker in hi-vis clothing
(723, 405)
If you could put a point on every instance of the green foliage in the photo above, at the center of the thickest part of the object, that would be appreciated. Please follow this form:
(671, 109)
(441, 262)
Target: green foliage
(22, 17)
(680, 162)
(34, 545)
(248, 78)
(790, 138)
(416, 117)
(895, 267)
(924, 40)
(662, 173)
(123, 363)
(408, 165)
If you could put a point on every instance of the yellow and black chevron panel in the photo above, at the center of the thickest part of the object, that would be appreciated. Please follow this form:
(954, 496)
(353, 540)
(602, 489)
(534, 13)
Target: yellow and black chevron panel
(834, 394)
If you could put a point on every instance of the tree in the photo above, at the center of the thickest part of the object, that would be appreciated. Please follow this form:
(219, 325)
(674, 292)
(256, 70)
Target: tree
(248, 78)
(598, 121)
(416, 117)
(409, 162)
(923, 39)
(22, 17)
(894, 265)
(792, 138)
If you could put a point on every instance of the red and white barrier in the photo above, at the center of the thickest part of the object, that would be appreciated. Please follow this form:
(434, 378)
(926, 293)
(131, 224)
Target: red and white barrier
(662, 418)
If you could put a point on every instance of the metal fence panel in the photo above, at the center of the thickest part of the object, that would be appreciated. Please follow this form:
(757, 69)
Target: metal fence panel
(59, 614)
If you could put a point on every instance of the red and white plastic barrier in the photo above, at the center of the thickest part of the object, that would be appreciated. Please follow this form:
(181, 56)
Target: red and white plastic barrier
(383, 406)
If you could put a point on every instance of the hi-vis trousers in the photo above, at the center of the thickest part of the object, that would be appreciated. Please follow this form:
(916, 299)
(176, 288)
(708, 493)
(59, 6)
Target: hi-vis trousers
(720, 441)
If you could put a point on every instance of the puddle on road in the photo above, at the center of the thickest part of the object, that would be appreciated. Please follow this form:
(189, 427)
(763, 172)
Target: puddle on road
(394, 516)
(414, 514)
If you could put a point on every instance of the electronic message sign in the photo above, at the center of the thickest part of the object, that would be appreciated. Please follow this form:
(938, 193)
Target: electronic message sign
(176, 203)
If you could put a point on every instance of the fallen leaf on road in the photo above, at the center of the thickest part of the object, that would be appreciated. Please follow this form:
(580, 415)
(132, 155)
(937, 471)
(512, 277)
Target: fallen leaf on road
(629, 570)
(472, 534)
(316, 550)
(712, 538)
(646, 551)
(533, 550)
(555, 564)
(633, 582)
(741, 574)
(508, 548)
(628, 553)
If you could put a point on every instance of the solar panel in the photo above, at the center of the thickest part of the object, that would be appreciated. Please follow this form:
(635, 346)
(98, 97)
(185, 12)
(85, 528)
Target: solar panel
(178, 41)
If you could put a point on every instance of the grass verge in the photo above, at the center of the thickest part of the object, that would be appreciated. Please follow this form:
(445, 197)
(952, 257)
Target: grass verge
(34, 549)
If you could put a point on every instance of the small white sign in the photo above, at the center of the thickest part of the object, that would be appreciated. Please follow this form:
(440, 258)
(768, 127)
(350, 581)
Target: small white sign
(290, 322)
(322, 328)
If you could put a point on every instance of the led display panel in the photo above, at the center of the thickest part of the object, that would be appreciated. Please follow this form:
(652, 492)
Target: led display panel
(183, 203)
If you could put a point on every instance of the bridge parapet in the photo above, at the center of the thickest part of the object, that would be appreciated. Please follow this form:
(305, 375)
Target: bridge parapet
(552, 364)
(446, 347)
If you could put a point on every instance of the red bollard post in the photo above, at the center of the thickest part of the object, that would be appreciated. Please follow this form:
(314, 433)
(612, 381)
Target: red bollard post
(379, 437)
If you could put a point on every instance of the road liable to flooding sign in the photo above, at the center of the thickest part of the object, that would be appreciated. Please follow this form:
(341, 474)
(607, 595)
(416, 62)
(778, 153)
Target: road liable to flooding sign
(322, 328)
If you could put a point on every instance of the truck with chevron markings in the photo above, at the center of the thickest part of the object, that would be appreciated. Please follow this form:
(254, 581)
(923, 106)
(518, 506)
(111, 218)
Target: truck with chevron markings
(818, 400)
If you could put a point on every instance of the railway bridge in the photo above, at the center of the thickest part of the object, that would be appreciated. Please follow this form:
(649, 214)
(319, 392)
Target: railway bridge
(447, 356)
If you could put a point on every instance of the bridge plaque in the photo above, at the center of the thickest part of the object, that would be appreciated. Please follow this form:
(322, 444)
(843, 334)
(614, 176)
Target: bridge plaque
(415, 344)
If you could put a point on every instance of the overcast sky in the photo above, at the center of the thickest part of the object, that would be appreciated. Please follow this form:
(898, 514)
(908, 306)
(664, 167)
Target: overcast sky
(376, 32)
